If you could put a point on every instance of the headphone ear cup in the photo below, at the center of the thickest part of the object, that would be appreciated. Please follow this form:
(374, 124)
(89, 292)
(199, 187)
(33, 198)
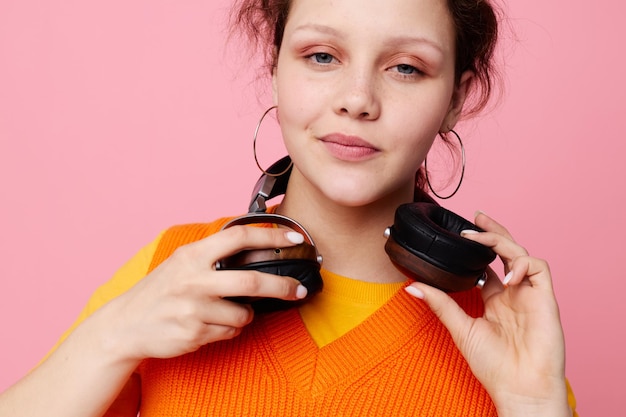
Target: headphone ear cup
(425, 242)
(301, 262)
(304, 270)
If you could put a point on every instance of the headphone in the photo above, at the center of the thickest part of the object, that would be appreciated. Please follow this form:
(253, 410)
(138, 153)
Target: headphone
(424, 242)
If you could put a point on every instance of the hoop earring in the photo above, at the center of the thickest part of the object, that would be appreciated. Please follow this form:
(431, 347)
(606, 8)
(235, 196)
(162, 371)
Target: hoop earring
(256, 132)
(462, 170)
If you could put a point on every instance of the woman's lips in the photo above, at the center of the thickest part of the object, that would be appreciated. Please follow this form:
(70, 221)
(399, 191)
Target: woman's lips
(348, 148)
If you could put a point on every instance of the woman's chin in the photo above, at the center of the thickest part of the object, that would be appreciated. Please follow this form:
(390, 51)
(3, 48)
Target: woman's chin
(354, 198)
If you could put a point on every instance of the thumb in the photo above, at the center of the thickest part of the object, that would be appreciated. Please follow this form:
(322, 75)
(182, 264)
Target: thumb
(446, 309)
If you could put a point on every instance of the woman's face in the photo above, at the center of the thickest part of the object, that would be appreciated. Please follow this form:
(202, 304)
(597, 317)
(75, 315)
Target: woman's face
(362, 89)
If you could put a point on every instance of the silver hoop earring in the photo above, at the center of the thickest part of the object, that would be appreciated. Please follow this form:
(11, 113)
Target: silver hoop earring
(256, 132)
(462, 170)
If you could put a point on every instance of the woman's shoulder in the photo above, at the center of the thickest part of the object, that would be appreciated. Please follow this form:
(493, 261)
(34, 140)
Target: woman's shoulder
(182, 234)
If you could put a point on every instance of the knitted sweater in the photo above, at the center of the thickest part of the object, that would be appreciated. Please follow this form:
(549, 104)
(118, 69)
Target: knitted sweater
(400, 361)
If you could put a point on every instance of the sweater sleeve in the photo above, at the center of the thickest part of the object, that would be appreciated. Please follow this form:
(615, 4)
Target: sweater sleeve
(571, 400)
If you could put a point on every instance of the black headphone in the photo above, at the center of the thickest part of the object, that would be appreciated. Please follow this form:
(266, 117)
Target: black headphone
(424, 243)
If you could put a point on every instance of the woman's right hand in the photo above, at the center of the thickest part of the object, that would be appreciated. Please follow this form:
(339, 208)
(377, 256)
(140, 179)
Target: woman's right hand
(180, 305)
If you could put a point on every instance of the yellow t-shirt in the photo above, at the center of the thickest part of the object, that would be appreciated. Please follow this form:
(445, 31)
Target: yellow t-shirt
(343, 304)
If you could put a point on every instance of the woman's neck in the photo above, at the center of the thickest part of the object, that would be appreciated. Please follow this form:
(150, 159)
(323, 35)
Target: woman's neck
(350, 239)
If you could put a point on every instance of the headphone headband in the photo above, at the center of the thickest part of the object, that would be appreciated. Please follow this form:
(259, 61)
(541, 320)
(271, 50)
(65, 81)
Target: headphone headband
(253, 218)
(270, 186)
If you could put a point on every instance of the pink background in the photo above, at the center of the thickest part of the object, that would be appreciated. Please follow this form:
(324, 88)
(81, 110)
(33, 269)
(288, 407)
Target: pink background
(120, 118)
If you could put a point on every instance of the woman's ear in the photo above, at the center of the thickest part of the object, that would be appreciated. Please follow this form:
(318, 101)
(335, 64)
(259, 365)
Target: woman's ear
(458, 100)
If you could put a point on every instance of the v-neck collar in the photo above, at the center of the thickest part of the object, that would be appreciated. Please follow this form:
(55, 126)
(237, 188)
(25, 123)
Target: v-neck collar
(313, 370)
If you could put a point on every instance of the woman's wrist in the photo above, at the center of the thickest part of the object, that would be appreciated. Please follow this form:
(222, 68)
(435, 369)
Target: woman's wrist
(105, 334)
(552, 403)
(538, 410)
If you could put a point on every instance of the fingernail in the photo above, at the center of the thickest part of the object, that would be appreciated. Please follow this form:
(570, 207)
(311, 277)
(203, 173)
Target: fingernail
(469, 232)
(477, 212)
(301, 292)
(507, 278)
(415, 292)
(294, 237)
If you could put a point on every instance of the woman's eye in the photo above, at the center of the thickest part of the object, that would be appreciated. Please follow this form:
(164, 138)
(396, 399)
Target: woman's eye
(322, 58)
(407, 69)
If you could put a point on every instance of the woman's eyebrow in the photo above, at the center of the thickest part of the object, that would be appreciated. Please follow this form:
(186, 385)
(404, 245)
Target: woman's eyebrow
(406, 40)
(316, 27)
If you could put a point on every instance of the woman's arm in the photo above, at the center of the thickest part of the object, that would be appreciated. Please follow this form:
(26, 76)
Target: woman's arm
(81, 378)
(176, 309)
(128, 401)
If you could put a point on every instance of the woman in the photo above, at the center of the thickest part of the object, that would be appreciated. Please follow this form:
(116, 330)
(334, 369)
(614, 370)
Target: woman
(362, 90)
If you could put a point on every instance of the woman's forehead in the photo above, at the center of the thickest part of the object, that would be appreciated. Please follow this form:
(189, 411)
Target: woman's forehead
(393, 19)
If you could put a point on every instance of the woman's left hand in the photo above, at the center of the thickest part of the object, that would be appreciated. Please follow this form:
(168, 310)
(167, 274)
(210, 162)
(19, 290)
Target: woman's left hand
(517, 349)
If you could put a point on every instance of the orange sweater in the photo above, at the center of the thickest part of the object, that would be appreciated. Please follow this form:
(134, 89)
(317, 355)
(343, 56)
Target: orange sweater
(399, 361)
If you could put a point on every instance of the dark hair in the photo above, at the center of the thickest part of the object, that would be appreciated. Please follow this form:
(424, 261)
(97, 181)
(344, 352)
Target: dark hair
(475, 22)
(476, 26)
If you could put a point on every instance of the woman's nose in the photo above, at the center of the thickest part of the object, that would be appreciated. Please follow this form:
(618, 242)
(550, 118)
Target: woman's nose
(358, 96)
